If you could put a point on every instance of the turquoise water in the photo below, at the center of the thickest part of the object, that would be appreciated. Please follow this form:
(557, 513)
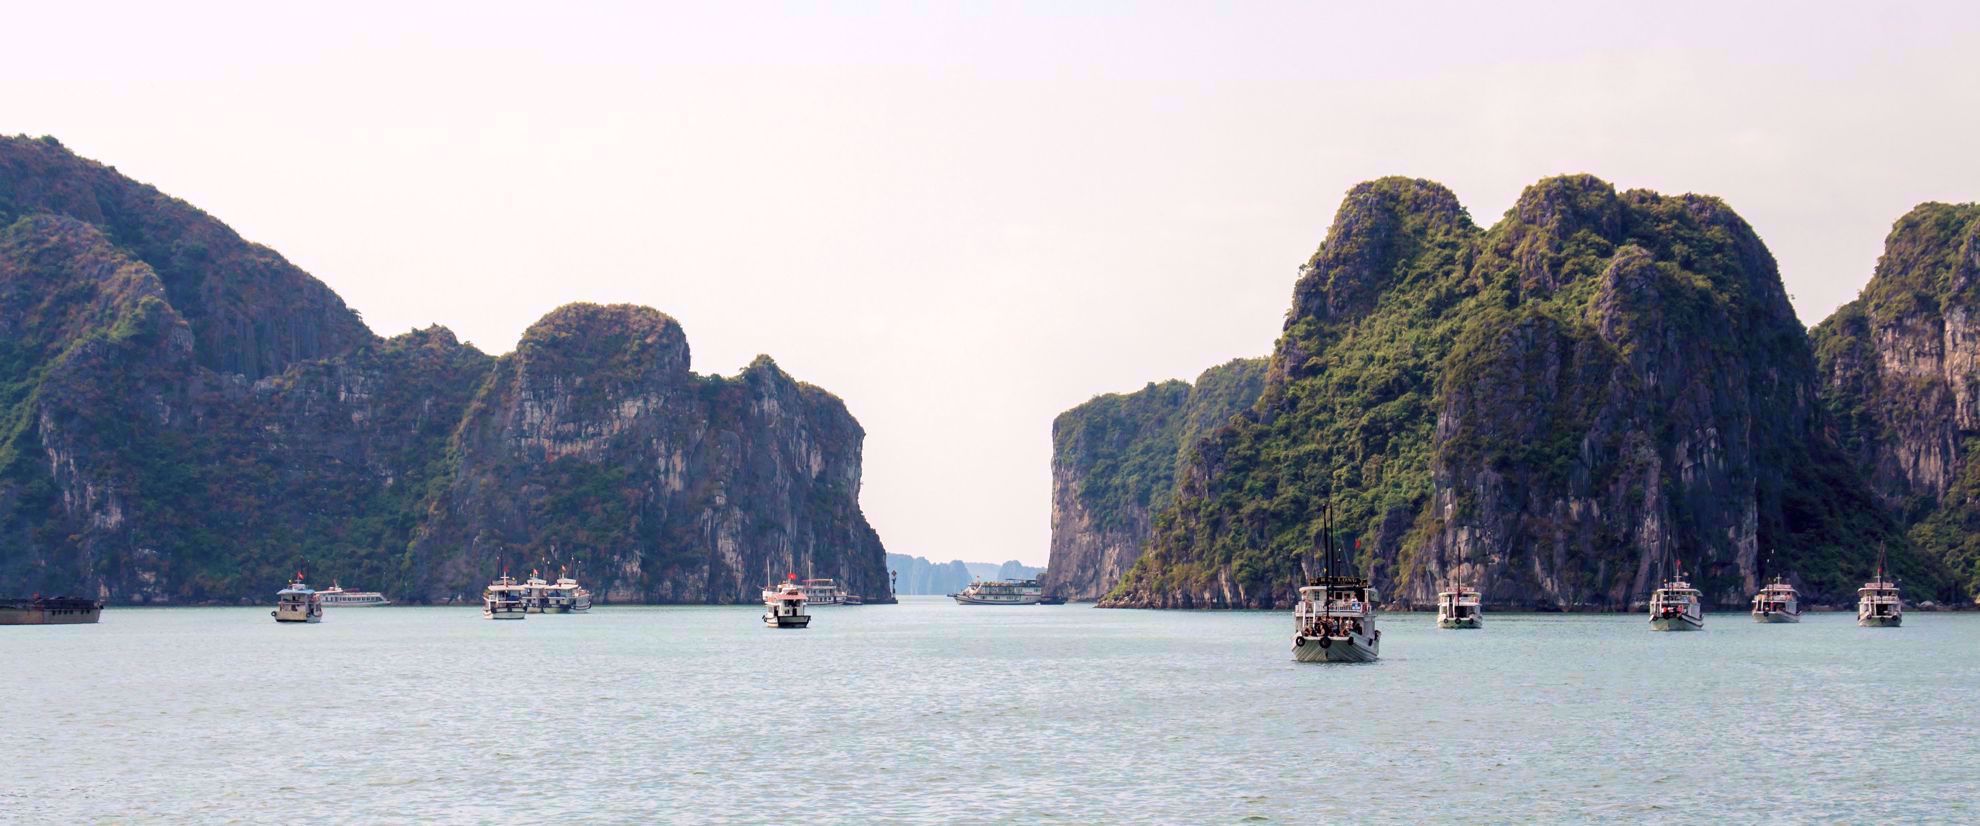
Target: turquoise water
(933, 711)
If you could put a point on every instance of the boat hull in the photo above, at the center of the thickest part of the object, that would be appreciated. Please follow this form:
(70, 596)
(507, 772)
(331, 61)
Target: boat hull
(1775, 616)
(965, 599)
(1466, 622)
(1880, 622)
(1676, 624)
(1350, 649)
(503, 612)
(280, 617)
(786, 622)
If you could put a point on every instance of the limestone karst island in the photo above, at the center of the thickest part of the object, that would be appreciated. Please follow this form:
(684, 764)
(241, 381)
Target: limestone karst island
(993, 413)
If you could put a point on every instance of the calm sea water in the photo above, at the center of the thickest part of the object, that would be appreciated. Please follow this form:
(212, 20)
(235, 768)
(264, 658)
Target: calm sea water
(933, 711)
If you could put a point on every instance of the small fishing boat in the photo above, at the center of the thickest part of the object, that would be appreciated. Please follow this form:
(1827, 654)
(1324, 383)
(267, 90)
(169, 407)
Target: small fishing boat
(1677, 606)
(1459, 607)
(298, 603)
(1877, 602)
(1778, 602)
(503, 600)
(783, 607)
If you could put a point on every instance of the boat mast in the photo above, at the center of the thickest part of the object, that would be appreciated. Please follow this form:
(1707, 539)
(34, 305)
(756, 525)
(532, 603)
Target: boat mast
(1327, 539)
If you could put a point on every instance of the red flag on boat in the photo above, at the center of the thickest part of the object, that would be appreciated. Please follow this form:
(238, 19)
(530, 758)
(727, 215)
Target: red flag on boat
(790, 576)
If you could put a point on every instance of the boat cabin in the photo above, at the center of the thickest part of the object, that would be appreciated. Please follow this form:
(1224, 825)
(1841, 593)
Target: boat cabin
(298, 603)
(1879, 598)
(784, 607)
(1676, 594)
(1459, 603)
(1332, 603)
(1778, 597)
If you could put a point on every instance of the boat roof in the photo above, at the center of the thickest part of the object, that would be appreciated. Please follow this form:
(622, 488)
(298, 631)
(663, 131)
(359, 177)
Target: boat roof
(288, 591)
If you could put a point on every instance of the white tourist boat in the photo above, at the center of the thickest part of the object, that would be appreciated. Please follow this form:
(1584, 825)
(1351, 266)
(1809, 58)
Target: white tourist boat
(571, 595)
(298, 603)
(336, 597)
(1001, 592)
(1877, 602)
(503, 600)
(1460, 607)
(783, 607)
(1334, 622)
(822, 592)
(1778, 602)
(1677, 606)
(540, 597)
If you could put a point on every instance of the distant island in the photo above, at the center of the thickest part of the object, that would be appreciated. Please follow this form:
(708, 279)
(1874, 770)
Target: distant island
(187, 417)
(917, 576)
(1557, 410)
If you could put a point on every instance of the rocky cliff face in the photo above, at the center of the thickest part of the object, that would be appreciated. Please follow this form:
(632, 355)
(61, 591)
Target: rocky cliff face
(251, 312)
(1901, 380)
(184, 417)
(1113, 467)
(1557, 410)
(593, 446)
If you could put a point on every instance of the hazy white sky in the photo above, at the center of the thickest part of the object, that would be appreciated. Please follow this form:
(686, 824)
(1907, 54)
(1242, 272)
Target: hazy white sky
(966, 218)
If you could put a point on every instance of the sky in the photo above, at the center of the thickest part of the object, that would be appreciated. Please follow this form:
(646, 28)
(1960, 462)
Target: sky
(966, 218)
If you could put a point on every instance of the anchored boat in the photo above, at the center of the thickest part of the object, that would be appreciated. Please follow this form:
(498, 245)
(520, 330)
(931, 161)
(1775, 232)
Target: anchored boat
(1001, 592)
(40, 610)
(571, 595)
(1677, 606)
(1459, 607)
(1877, 602)
(503, 600)
(298, 603)
(822, 592)
(540, 597)
(783, 607)
(1778, 602)
(336, 597)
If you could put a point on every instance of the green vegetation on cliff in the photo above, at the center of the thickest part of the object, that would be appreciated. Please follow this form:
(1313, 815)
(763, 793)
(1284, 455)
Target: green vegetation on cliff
(1123, 448)
(1597, 387)
(186, 417)
(1114, 464)
(1901, 382)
